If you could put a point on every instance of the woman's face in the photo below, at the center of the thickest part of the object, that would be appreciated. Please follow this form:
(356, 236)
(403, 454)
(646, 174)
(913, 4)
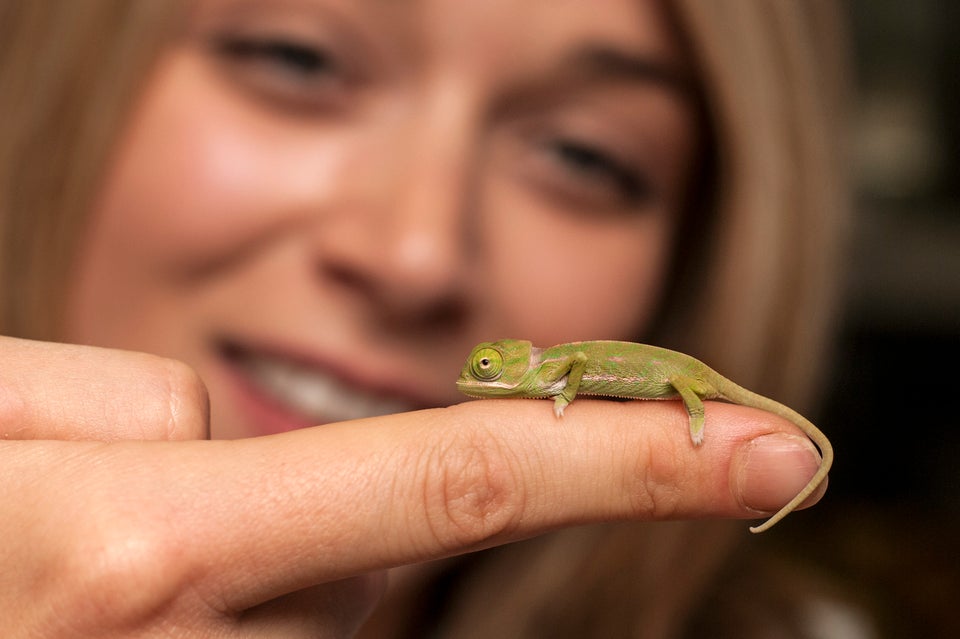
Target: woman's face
(321, 205)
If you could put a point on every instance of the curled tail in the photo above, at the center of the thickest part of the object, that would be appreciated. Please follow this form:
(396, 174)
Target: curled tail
(740, 395)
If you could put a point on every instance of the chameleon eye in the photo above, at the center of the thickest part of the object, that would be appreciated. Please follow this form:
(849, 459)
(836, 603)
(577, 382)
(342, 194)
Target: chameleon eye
(487, 364)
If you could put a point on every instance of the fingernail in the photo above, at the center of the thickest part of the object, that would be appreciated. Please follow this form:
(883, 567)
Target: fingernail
(772, 469)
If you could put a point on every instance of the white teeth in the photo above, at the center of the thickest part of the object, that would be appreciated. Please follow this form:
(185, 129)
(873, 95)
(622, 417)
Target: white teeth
(317, 395)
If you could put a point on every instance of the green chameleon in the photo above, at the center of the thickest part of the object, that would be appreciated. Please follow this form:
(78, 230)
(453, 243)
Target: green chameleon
(517, 368)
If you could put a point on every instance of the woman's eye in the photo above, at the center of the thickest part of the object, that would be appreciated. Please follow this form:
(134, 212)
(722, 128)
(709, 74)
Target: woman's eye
(287, 55)
(287, 71)
(595, 168)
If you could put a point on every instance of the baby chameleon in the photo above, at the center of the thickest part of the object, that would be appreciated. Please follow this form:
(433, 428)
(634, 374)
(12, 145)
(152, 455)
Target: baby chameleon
(516, 368)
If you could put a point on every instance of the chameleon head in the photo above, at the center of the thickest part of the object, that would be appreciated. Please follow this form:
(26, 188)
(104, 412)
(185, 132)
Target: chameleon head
(494, 368)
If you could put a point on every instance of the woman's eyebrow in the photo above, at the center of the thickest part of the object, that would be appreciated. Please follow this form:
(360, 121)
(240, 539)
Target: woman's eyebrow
(607, 63)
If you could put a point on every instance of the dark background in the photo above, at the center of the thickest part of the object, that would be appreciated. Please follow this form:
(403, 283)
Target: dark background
(897, 381)
(890, 523)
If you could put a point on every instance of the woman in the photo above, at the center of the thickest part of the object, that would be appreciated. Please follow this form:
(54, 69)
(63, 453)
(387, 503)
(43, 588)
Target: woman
(320, 207)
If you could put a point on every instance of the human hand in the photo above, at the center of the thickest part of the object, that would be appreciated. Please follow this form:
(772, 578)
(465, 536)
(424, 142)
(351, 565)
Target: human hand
(120, 518)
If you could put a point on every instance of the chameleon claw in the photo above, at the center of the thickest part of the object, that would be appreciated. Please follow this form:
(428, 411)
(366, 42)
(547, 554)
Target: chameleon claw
(697, 435)
(558, 405)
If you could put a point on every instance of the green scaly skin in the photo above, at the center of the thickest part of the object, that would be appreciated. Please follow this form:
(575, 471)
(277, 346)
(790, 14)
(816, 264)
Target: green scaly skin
(516, 368)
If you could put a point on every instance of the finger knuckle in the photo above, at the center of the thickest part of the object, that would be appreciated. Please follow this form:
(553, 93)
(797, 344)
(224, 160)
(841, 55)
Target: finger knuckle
(122, 576)
(13, 409)
(187, 405)
(473, 489)
(655, 483)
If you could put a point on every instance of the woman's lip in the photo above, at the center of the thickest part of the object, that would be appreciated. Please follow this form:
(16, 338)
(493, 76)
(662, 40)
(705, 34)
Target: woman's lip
(290, 391)
(263, 414)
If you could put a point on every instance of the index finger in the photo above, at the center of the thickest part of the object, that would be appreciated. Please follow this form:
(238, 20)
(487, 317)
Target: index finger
(266, 516)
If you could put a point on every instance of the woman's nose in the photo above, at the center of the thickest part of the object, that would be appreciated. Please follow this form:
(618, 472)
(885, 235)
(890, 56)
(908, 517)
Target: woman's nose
(402, 239)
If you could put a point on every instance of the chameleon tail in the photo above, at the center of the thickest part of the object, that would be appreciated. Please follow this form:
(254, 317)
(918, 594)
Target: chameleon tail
(738, 394)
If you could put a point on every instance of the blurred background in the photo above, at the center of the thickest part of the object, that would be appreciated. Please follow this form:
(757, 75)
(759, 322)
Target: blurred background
(891, 406)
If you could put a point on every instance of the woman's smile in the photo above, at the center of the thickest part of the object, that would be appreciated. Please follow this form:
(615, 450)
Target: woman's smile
(292, 393)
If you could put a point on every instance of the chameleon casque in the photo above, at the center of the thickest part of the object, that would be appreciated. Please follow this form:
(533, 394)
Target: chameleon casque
(517, 368)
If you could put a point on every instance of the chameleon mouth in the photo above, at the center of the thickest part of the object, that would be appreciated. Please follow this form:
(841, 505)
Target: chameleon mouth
(479, 390)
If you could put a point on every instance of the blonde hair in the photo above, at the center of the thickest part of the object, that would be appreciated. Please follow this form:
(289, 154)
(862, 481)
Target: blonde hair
(68, 74)
(774, 75)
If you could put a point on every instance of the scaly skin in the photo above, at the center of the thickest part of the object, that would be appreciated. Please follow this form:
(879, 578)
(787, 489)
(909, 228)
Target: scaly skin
(516, 368)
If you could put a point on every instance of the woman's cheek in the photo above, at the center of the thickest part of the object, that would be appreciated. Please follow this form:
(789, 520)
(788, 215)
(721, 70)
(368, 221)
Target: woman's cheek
(563, 279)
(202, 172)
